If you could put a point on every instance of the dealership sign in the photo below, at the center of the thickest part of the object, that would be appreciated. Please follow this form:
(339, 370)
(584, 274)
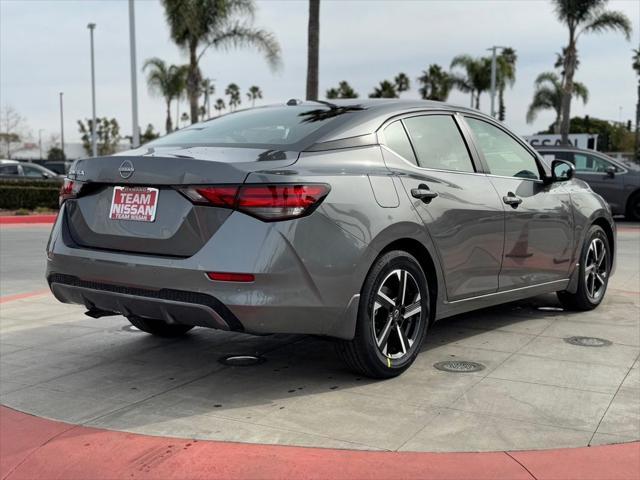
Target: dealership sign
(579, 140)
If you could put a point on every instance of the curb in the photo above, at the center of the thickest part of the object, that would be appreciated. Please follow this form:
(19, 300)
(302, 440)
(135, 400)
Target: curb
(35, 447)
(27, 219)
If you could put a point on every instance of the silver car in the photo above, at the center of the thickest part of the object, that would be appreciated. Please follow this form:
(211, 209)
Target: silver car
(365, 221)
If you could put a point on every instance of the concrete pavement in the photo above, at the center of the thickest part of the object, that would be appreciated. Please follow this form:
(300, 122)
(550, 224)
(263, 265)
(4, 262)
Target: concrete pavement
(536, 391)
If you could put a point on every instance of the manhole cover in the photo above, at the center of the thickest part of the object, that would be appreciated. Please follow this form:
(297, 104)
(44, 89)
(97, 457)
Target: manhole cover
(242, 360)
(459, 366)
(588, 341)
(551, 309)
(131, 328)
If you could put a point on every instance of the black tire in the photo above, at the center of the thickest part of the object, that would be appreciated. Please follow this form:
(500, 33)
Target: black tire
(159, 328)
(583, 299)
(633, 208)
(363, 354)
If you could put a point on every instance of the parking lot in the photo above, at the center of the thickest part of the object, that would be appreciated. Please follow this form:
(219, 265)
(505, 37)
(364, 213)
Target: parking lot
(535, 389)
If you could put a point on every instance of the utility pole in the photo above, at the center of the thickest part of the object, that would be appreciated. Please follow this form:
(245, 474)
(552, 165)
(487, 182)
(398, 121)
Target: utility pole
(135, 136)
(40, 142)
(494, 59)
(61, 127)
(94, 144)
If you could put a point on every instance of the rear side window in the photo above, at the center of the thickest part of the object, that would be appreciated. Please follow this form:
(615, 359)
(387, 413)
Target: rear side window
(261, 127)
(504, 156)
(8, 170)
(438, 143)
(592, 164)
(396, 139)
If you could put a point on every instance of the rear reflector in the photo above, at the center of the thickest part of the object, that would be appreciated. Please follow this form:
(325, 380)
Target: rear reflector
(231, 277)
(266, 202)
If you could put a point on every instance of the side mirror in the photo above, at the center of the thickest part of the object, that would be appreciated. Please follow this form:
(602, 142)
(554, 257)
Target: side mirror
(611, 171)
(562, 171)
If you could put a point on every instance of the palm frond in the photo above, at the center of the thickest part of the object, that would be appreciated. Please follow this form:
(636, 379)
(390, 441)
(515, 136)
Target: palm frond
(609, 20)
(240, 35)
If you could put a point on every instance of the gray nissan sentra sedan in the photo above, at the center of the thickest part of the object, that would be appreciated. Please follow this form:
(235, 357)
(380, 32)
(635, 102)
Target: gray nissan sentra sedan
(365, 221)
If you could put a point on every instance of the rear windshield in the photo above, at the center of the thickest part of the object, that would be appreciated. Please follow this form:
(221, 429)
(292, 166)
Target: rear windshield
(260, 127)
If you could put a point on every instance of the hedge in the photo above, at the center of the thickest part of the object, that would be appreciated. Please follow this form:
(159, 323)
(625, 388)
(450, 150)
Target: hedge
(29, 194)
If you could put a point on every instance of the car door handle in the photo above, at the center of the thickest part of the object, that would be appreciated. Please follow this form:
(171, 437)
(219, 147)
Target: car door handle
(423, 193)
(511, 199)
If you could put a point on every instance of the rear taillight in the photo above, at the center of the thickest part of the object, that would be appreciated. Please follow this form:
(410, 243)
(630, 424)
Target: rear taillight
(70, 189)
(266, 202)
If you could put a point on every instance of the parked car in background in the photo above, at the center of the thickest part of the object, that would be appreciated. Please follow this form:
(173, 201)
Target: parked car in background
(26, 171)
(617, 182)
(365, 221)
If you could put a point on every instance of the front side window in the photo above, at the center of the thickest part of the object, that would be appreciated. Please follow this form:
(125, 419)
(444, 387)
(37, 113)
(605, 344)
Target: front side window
(396, 139)
(30, 171)
(591, 164)
(504, 156)
(438, 143)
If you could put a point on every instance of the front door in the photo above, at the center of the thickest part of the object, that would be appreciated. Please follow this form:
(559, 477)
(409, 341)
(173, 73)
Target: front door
(459, 207)
(538, 216)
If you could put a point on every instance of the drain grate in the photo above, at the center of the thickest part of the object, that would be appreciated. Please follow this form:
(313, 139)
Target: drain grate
(459, 366)
(242, 360)
(131, 328)
(588, 341)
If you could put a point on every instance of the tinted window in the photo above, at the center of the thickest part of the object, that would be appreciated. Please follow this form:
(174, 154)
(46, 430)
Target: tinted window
(503, 154)
(396, 139)
(31, 171)
(273, 126)
(8, 170)
(438, 143)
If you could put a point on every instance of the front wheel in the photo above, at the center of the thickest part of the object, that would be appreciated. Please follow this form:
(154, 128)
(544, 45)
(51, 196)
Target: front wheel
(633, 208)
(392, 318)
(595, 266)
(159, 328)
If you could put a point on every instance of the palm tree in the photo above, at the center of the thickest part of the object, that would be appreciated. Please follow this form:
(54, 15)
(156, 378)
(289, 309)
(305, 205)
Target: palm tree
(506, 76)
(197, 25)
(436, 84)
(219, 106)
(344, 90)
(313, 47)
(254, 94)
(233, 91)
(386, 89)
(548, 96)
(476, 78)
(166, 81)
(207, 88)
(582, 17)
(402, 82)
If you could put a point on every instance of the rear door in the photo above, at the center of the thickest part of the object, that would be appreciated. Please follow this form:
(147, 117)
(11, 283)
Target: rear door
(459, 207)
(538, 216)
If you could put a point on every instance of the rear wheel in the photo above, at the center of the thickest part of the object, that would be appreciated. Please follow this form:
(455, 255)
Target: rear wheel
(595, 264)
(633, 208)
(392, 318)
(159, 328)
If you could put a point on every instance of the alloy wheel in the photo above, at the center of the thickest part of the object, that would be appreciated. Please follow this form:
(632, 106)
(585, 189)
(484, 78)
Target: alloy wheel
(596, 268)
(397, 314)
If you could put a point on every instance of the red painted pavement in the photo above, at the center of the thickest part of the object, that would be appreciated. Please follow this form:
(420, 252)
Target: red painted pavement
(20, 296)
(27, 219)
(32, 447)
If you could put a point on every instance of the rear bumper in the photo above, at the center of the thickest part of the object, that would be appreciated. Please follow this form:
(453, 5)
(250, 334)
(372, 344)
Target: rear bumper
(289, 295)
(172, 306)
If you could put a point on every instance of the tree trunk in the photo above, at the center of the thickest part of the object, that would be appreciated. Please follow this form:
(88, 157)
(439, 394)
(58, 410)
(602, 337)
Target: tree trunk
(478, 101)
(168, 124)
(501, 106)
(313, 44)
(193, 81)
(638, 126)
(567, 90)
(556, 125)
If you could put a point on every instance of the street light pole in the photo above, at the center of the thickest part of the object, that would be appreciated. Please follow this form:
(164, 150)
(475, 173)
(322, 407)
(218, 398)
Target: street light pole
(135, 136)
(94, 145)
(494, 59)
(61, 126)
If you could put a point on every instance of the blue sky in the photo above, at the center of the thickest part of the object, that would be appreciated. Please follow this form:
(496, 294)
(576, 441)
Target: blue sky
(44, 49)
